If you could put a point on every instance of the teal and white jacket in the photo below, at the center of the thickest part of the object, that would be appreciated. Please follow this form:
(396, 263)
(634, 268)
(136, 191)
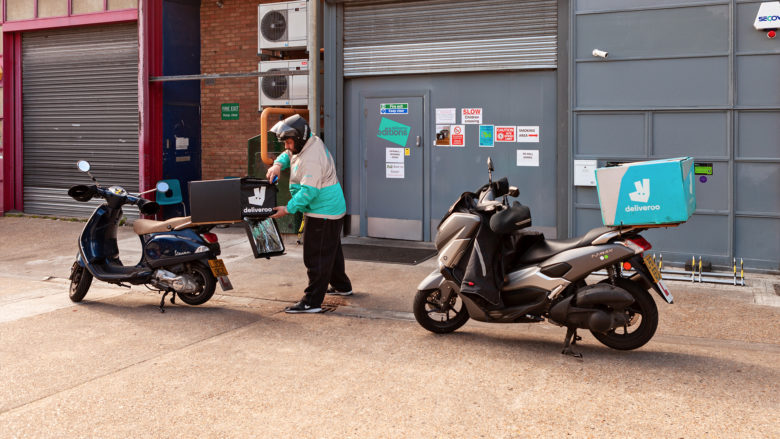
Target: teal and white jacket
(314, 185)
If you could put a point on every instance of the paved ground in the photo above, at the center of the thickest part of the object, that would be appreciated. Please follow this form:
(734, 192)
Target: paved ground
(114, 366)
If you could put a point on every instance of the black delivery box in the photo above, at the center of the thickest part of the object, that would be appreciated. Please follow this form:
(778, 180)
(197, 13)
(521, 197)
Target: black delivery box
(231, 199)
(258, 198)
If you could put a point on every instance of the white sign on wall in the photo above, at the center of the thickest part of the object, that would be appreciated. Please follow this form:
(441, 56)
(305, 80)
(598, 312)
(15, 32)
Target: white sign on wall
(528, 134)
(394, 170)
(471, 116)
(445, 116)
(394, 155)
(585, 172)
(528, 157)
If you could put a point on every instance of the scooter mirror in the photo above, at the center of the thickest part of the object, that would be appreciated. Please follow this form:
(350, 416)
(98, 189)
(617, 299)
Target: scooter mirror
(83, 165)
(490, 164)
(162, 186)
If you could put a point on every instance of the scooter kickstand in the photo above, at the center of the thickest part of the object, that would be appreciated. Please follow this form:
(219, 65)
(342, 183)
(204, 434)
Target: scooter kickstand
(173, 297)
(571, 339)
(162, 301)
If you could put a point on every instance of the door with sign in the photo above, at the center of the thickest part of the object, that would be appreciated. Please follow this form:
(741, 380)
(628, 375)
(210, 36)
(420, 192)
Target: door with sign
(393, 153)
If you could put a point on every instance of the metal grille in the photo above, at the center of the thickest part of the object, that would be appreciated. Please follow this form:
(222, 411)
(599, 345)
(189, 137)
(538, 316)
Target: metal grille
(275, 87)
(449, 36)
(80, 101)
(274, 25)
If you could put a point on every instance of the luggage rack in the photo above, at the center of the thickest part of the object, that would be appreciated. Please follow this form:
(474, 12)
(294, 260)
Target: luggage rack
(696, 274)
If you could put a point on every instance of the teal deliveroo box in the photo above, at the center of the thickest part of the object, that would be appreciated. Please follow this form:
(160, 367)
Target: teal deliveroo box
(651, 192)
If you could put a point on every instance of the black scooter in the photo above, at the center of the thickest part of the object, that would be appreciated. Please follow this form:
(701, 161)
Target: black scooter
(178, 256)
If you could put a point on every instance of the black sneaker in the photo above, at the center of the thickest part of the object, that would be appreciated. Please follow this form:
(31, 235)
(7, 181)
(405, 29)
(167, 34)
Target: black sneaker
(332, 291)
(301, 307)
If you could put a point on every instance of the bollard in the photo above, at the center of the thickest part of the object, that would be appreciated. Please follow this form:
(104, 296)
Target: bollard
(735, 270)
(693, 268)
(699, 268)
(742, 271)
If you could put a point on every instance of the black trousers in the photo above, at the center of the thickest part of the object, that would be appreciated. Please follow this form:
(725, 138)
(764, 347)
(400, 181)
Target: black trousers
(323, 258)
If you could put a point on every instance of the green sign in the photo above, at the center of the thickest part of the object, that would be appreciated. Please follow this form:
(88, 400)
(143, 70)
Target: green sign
(702, 168)
(393, 108)
(393, 131)
(229, 111)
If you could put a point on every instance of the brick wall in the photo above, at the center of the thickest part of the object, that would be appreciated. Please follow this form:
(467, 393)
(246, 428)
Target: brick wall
(228, 45)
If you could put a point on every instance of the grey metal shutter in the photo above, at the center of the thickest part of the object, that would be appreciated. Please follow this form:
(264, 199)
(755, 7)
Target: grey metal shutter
(449, 36)
(80, 101)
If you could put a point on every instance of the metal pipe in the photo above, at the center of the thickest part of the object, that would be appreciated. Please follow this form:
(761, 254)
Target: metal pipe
(222, 76)
(313, 46)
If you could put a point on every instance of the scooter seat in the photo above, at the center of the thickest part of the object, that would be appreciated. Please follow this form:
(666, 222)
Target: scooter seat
(145, 226)
(547, 248)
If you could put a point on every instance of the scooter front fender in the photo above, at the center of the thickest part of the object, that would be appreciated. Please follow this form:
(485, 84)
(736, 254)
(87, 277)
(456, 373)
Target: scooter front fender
(432, 281)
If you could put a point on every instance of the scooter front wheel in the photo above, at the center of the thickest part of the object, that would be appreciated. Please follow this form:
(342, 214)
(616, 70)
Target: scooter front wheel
(80, 280)
(206, 281)
(430, 315)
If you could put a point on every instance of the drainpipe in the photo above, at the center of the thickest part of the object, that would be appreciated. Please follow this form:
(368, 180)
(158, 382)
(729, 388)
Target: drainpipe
(313, 46)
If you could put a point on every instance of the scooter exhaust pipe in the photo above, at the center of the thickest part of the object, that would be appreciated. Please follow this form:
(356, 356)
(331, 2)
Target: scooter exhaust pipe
(180, 284)
(584, 315)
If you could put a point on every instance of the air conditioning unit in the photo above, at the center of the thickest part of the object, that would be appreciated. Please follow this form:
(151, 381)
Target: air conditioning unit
(281, 26)
(283, 88)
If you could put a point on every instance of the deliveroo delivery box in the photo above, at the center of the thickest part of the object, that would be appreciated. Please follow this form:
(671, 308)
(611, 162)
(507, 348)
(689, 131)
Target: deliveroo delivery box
(652, 192)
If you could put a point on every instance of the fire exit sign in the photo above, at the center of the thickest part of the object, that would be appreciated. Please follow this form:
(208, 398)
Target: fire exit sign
(394, 108)
(229, 111)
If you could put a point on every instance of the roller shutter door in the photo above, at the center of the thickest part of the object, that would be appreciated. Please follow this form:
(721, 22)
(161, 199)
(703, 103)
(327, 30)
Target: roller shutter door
(449, 36)
(80, 101)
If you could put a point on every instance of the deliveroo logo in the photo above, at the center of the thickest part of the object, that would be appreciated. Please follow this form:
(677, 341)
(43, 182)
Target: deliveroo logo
(259, 198)
(393, 131)
(642, 193)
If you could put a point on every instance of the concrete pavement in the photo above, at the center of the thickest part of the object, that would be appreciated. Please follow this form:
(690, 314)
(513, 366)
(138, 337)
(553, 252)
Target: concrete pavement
(239, 367)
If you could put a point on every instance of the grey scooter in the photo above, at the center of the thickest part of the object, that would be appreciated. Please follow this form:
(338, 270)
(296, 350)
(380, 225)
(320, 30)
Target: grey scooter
(534, 278)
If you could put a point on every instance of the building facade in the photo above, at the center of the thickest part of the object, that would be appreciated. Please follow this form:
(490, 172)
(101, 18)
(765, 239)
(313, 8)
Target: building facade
(521, 82)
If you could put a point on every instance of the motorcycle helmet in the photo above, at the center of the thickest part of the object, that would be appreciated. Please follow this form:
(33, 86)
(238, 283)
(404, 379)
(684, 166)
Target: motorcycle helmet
(294, 127)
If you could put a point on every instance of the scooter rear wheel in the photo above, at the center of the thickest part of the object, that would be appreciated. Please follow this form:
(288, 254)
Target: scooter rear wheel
(80, 280)
(643, 315)
(206, 283)
(430, 316)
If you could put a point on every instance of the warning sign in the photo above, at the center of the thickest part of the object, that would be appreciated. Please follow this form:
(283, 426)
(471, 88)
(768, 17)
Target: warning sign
(471, 116)
(458, 135)
(528, 134)
(505, 134)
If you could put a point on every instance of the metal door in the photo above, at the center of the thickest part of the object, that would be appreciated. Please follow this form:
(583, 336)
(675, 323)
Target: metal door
(80, 101)
(181, 147)
(393, 148)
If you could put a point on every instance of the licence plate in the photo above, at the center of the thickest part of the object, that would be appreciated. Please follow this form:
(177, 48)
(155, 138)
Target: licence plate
(654, 271)
(218, 267)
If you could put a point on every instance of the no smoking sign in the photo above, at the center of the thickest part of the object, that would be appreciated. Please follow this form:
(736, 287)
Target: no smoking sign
(458, 135)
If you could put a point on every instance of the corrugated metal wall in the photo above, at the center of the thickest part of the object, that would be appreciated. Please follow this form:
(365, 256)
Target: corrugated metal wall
(449, 36)
(80, 101)
(684, 78)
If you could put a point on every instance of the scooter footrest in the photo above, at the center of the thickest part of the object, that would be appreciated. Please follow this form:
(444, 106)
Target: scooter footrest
(120, 273)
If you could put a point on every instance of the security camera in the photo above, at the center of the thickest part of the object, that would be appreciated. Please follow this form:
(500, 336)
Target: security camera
(600, 53)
